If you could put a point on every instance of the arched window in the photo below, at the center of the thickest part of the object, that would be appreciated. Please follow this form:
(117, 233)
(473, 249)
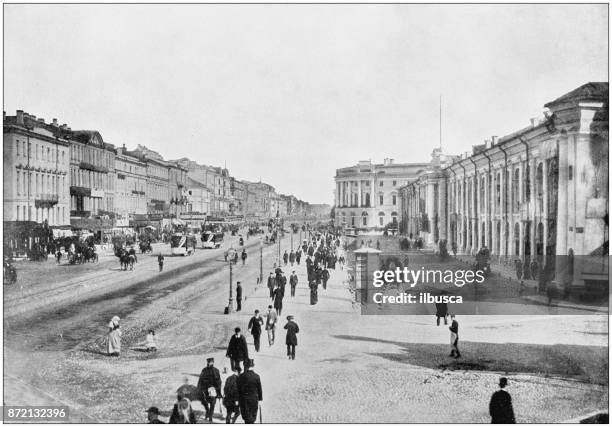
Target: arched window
(394, 218)
(515, 190)
(381, 218)
(364, 219)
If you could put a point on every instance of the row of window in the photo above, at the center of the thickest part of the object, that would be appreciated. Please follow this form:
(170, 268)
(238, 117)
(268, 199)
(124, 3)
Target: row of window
(42, 153)
(91, 179)
(39, 183)
(94, 156)
(54, 215)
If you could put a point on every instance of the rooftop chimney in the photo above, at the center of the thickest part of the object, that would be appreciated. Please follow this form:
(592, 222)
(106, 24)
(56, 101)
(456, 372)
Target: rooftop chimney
(487, 143)
(41, 120)
(55, 122)
(20, 117)
(534, 121)
(63, 126)
(494, 140)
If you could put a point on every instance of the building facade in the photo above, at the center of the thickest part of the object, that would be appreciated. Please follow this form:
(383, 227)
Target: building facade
(92, 175)
(177, 188)
(367, 194)
(198, 197)
(130, 185)
(36, 171)
(539, 194)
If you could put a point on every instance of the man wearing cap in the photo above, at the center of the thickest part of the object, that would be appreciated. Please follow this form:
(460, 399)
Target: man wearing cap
(209, 387)
(293, 281)
(238, 296)
(250, 393)
(255, 328)
(271, 319)
(237, 350)
(231, 397)
(500, 407)
(153, 414)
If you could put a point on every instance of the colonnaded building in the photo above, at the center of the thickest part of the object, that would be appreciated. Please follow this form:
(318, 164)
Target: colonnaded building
(538, 194)
(367, 194)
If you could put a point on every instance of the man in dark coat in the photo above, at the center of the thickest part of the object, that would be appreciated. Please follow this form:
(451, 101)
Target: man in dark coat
(255, 328)
(209, 387)
(292, 257)
(231, 397)
(237, 350)
(291, 339)
(441, 311)
(500, 407)
(250, 393)
(238, 296)
(298, 256)
(271, 282)
(243, 256)
(285, 258)
(293, 281)
(314, 297)
(325, 277)
(278, 300)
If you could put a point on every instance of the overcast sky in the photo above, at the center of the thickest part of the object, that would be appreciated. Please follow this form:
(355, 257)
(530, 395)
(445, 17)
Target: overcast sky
(290, 93)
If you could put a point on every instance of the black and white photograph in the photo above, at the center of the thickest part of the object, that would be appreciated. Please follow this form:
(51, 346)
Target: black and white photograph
(305, 213)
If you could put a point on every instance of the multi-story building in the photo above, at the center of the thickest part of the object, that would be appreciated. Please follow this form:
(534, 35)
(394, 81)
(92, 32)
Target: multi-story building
(259, 201)
(367, 196)
(130, 185)
(158, 181)
(540, 193)
(36, 165)
(177, 190)
(198, 197)
(92, 174)
(238, 197)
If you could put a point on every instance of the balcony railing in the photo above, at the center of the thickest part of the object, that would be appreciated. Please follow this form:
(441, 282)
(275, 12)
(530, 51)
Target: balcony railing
(80, 214)
(92, 167)
(46, 200)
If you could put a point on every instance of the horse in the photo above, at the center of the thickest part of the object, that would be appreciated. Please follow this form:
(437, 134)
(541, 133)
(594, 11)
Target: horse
(127, 260)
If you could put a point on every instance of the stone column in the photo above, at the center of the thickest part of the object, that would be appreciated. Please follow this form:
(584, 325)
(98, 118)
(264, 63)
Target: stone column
(443, 211)
(430, 209)
(359, 193)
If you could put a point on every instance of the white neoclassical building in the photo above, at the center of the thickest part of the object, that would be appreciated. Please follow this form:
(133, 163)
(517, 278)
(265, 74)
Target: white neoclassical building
(540, 193)
(366, 195)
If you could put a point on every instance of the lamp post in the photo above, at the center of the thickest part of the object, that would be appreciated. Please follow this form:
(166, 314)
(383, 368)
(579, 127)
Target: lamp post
(260, 260)
(230, 255)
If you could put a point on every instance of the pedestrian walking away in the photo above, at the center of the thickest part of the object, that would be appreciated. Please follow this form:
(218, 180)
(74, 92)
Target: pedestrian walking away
(500, 407)
(243, 256)
(209, 387)
(255, 328)
(271, 319)
(231, 397)
(291, 339)
(271, 283)
(293, 281)
(160, 261)
(238, 296)
(250, 393)
(237, 350)
(454, 337)
(278, 300)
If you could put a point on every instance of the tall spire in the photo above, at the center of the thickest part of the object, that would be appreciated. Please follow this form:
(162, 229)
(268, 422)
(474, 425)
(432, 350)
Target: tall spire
(440, 121)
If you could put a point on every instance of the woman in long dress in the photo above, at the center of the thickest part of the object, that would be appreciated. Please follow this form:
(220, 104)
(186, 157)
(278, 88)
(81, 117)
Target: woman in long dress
(113, 341)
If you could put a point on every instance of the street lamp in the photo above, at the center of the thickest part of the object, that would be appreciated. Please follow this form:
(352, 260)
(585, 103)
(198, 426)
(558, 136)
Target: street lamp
(260, 260)
(230, 255)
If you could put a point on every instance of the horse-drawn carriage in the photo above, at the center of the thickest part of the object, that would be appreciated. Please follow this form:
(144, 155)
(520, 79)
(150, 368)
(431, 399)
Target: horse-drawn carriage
(483, 261)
